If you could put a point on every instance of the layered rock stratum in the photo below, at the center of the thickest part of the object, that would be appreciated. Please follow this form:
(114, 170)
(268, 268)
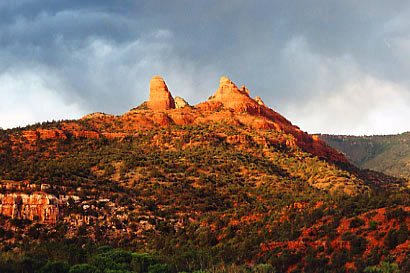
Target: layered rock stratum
(41, 207)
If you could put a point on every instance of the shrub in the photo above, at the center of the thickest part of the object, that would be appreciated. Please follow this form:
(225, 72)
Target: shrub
(396, 237)
(372, 225)
(384, 267)
(84, 268)
(141, 262)
(358, 245)
(398, 214)
(356, 222)
(158, 268)
(340, 258)
(55, 267)
(263, 268)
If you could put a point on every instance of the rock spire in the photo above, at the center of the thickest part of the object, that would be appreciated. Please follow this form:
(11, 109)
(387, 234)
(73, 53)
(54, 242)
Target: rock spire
(159, 96)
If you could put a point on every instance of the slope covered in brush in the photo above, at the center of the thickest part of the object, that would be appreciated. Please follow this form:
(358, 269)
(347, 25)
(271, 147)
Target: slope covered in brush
(389, 154)
(228, 181)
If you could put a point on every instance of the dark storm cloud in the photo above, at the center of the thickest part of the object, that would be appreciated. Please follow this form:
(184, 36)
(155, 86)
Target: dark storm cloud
(314, 61)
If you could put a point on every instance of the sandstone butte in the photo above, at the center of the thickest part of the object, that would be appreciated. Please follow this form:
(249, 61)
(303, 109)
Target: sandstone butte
(229, 105)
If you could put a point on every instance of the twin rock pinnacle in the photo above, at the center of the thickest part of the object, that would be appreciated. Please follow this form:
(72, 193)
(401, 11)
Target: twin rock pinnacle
(160, 98)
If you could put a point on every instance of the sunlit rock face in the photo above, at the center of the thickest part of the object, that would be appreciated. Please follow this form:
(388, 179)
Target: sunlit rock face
(259, 101)
(39, 207)
(230, 96)
(180, 103)
(229, 105)
(159, 96)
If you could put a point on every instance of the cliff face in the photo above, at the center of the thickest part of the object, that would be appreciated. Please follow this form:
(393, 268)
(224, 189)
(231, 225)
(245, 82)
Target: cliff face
(39, 207)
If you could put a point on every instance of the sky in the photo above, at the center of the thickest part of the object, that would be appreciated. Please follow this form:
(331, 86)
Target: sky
(329, 66)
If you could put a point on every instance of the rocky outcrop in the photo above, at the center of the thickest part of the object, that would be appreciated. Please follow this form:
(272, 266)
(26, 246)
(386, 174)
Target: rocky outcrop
(245, 90)
(160, 98)
(229, 105)
(180, 102)
(259, 101)
(97, 115)
(85, 134)
(43, 134)
(39, 207)
(234, 98)
(228, 91)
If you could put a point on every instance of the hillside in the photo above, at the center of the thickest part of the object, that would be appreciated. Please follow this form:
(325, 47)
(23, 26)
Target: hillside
(389, 154)
(227, 183)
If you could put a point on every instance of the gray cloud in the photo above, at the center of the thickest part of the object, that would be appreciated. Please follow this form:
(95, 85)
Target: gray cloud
(329, 66)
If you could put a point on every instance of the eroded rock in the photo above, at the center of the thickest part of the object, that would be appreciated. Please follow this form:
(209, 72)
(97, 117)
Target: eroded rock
(159, 97)
(180, 102)
(39, 207)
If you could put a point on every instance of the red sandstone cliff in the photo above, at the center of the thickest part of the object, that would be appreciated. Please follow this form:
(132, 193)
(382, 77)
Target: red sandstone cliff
(39, 207)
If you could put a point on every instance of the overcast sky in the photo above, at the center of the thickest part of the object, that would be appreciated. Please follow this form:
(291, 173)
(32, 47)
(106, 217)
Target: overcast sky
(329, 66)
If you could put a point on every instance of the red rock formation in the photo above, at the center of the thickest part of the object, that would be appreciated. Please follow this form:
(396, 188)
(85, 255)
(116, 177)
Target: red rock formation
(40, 207)
(232, 97)
(229, 105)
(159, 97)
(97, 115)
(180, 102)
(114, 135)
(43, 134)
(259, 101)
(85, 134)
(245, 90)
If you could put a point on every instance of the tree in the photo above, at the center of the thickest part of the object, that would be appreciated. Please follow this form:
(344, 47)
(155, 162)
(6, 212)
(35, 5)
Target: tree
(357, 245)
(158, 268)
(84, 268)
(356, 222)
(141, 262)
(55, 267)
(384, 267)
(263, 268)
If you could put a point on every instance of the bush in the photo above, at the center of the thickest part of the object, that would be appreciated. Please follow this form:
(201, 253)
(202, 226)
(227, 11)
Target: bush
(374, 257)
(141, 262)
(340, 258)
(356, 222)
(398, 214)
(263, 268)
(384, 267)
(158, 268)
(396, 237)
(55, 267)
(105, 263)
(357, 245)
(372, 225)
(84, 268)
(119, 256)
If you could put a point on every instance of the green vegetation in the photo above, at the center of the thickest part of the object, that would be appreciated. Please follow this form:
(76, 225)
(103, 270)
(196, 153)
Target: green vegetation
(389, 154)
(106, 259)
(384, 267)
(197, 200)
